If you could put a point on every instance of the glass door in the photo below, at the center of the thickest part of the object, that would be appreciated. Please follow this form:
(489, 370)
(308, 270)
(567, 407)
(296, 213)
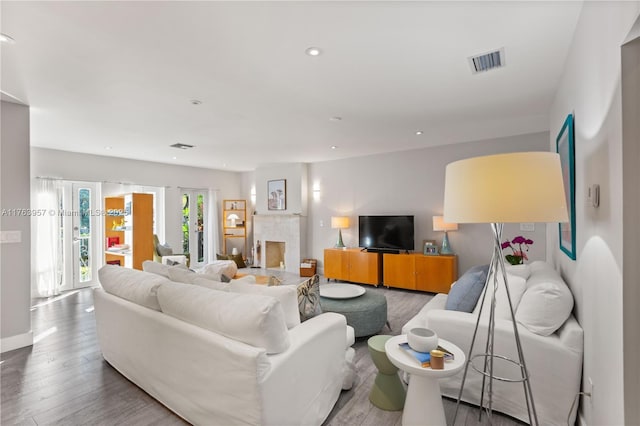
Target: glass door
(79, 217)
(194, 223)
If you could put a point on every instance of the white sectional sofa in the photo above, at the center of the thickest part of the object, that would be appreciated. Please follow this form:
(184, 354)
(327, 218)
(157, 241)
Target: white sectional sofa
(216, 357)
(552, 341)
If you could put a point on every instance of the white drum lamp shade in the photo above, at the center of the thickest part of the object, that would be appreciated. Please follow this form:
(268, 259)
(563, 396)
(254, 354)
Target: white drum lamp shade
(498, 189)
(339, 223)
(505, 188)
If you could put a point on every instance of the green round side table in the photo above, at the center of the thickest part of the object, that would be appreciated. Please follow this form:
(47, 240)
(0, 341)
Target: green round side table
(388, 392)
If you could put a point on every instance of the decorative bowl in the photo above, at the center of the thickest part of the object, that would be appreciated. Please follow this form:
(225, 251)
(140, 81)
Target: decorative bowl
(422, 339)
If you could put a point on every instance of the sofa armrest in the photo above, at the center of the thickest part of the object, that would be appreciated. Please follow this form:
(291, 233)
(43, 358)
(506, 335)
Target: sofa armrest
(309, 371)
(420, 319)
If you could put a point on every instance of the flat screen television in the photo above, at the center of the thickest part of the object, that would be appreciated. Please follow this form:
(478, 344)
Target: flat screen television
(386, 233)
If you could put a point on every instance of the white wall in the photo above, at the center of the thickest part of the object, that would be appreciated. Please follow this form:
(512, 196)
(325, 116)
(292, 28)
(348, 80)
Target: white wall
(408, 183)
(15, 264)
(590, 88)
(631, 213)
(94, 168)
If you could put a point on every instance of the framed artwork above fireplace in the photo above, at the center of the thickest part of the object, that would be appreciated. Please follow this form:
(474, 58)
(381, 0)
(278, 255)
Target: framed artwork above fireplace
(277, 194)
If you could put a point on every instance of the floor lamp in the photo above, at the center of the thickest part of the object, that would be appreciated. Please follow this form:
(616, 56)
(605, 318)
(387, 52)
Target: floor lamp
(498, 189)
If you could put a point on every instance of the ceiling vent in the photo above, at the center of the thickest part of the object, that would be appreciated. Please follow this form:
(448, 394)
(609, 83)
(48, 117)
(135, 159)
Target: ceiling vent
(487, 61)
(181, 146)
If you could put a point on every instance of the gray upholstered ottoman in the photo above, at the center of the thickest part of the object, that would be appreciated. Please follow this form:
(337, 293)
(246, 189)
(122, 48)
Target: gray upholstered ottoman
(367, 314)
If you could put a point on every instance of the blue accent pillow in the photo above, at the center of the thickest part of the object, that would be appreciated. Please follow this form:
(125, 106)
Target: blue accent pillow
(465, 294)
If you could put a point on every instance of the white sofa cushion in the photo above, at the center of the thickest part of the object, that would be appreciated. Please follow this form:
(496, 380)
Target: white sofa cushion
(211, 284)
(160, 268)
(546, 304)
(517, 286)
(219, 267)
(286, 294)
(250, 318)
(133, 285)
(181, 275)
(523, 271)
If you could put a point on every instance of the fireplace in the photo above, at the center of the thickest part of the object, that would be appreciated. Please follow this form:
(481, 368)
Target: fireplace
(286, 235)
(274, 254)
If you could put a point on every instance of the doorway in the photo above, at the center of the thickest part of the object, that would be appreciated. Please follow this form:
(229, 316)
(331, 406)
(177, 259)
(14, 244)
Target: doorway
(195, 225)
(80, 234)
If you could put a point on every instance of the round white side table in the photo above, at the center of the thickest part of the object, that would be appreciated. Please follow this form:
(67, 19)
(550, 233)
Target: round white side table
(423, 405)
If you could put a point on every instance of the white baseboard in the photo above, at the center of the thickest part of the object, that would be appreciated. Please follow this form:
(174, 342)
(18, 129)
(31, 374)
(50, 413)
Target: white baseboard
(16, 342)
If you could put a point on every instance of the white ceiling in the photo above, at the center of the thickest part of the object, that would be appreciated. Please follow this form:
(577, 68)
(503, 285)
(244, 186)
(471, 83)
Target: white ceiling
(122, 75)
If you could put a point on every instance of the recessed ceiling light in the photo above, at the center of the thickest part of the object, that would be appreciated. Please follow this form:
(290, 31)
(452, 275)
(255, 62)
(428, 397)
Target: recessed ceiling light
(6, 39)
(419, 132)
(313, 51)
(334, 146)
(174, 158)
(336, 118)
(196, 102)
(107, 148)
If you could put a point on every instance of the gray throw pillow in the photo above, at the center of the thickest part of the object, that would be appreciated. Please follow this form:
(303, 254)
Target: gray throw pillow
(164, 250)
(235, 257)
(464, 295)
(309, 298)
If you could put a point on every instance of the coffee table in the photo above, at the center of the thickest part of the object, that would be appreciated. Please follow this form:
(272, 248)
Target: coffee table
(341, 291)
(423, 405)
(366, 312)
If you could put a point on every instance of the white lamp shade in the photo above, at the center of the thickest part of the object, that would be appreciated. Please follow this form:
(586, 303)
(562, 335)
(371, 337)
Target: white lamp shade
(232, 219)
(440, 225)
(339, 222)
(505, 188)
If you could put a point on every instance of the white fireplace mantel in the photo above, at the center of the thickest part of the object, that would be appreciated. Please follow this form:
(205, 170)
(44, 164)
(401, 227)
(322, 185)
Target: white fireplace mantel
(290, 229)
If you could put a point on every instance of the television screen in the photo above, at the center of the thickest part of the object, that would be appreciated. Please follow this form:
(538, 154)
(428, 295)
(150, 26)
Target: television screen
(393, 233)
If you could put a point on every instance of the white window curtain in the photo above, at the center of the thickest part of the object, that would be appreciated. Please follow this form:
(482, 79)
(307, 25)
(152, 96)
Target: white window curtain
(212, 229)
(48, 252)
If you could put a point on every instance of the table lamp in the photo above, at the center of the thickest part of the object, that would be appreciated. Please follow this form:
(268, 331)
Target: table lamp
(339, 223)
(440, 225)
(232, 219)
(498, 189)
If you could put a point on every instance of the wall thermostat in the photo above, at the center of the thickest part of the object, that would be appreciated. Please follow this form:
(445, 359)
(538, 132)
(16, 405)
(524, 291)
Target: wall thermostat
(593, 195)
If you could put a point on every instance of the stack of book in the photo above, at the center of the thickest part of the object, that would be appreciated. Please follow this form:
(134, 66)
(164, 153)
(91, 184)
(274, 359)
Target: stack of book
(424, 358)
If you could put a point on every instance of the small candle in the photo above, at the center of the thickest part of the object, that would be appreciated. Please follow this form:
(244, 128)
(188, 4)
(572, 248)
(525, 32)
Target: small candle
(437, 359)
(281, 265)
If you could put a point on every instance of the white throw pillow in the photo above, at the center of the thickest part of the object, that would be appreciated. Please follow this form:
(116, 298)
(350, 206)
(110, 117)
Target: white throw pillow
(219, 267)
(517, 286)
(250, 318)
(520, 270)
(286, 294)
(546, 304)
(133, 285)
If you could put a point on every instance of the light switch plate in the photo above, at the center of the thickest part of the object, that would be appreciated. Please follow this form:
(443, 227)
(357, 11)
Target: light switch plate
(593, 195)
(10, 237)
(528, 226)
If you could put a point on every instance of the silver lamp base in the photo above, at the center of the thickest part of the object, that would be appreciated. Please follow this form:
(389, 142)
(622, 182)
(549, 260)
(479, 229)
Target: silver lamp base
(488, 357)
(339, 244)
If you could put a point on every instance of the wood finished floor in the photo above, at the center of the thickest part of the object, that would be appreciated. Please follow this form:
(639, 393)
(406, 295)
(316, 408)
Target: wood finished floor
(62, 379)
